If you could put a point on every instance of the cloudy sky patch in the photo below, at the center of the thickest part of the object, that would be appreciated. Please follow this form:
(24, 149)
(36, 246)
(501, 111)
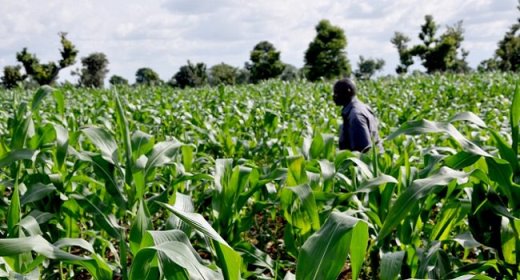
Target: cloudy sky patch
(165, 34)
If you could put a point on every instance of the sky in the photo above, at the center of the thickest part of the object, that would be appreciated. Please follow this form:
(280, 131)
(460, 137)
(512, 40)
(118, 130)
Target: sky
(165, 34)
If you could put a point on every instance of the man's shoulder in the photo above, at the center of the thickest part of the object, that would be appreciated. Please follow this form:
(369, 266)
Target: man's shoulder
(359, 108)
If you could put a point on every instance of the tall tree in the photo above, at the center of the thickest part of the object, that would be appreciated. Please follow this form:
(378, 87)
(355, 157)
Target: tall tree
(266, 63)
(401, 41)
(47, 73)
(507, 55)
(368, 67)
(191, 75)
(223, 74)
(438, 54)
(12, 76)
(146, 76)
(94, 70)
(326, 56)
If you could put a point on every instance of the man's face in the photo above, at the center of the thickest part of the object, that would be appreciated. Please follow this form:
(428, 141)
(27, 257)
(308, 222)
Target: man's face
(339, 98)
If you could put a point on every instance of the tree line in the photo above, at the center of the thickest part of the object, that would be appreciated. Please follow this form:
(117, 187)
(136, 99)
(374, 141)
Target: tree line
(325, 58)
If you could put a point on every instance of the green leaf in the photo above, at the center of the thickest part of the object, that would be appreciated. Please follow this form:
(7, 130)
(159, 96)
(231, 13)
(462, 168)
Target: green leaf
(40, 94)
(230, 261)
(412, 195)
(140, 225)
(17, 155)
(170, 255)
(461, 160)
(296, 171)
(59, 97)
(426, 126)
(308, 205)
(466, 240)
(371, 184)
(324, 253)
(161, 154)
(104, 141)
(468, 116)
(125, 131)
(62, 144)
(358, 248)
(14, 211)
(106, 222)
(391, 264)
(36, 192)
(15, 246)
(515, 118)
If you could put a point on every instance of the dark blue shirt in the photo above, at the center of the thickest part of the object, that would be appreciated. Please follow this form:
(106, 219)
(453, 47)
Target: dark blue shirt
(359, 128)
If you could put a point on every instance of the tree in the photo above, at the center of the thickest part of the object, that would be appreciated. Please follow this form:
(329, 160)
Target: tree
(12, 76)
(223, 74)
(507, 55)
(94, 70)
(146, 76)
(116, 80)
(266, 63)
(438, 54)
(368, 67)
(191, 75)
(290, 73)
(400, 41)
(326, 56)
(244, 75)
(46, 74)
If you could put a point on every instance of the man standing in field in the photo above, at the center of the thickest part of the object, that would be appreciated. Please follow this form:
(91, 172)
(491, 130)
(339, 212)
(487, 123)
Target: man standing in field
(359, 130)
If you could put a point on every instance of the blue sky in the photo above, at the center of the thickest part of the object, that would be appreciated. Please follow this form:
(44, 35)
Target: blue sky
(164, 34)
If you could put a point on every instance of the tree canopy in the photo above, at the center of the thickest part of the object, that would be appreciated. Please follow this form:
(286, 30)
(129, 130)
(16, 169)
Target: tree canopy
(266, 63)
(117, 80)
(223, 74)
(437, 54)
(45, 74)
(12, 76)
(368, 67)
(326, 55)
(191, 75)
(94, 70)
(507, 54)
(146, 76)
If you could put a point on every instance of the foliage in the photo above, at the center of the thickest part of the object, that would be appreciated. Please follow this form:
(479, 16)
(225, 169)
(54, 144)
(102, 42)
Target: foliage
(245, 182)
(507, 55)
(326, 55)
(290, 73)
(191, 75)
(146, 76)
(265, 62)
(46, 74)
(116, 80)
(401, 41)
(243, 75)
(223, 74)
(12, 76)
(438, 54)
(368, 67)
(94, 70)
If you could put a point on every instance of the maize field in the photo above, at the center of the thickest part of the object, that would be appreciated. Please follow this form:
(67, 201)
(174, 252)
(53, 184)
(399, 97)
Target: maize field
(246, 182)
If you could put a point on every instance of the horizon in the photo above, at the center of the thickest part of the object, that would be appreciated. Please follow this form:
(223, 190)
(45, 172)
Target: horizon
(164, 35)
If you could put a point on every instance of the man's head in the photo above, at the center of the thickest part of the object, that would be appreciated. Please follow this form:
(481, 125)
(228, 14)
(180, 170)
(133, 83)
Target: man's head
(344, 91)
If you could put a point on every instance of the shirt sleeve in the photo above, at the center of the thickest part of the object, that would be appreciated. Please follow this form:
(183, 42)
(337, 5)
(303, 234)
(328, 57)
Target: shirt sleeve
(359, 134)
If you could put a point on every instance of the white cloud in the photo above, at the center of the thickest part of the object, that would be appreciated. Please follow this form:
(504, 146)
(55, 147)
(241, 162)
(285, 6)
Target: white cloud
(164, 34)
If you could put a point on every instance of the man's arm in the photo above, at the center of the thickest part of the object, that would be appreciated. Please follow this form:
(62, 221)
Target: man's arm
(359, 134)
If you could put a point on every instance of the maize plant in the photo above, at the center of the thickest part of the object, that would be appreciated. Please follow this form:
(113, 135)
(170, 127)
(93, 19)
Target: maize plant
(246, 182)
